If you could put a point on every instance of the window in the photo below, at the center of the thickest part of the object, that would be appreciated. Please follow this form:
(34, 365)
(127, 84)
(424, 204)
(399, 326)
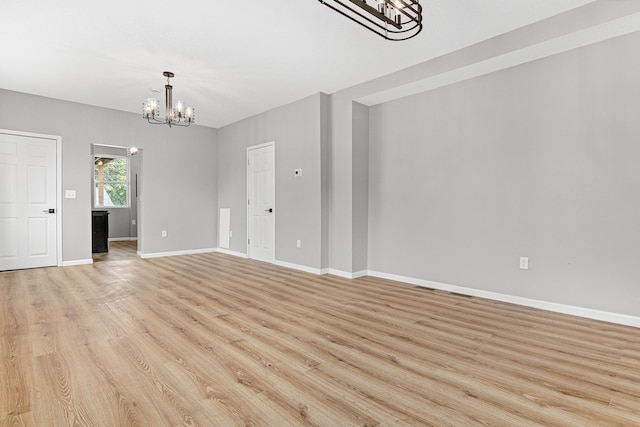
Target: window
(111, 182)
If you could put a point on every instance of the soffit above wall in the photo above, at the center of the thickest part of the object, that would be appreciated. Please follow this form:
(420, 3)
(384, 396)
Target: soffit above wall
(532, 47)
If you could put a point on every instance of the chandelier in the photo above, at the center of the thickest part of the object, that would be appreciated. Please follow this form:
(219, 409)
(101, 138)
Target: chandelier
(175, 115)
(390, 19)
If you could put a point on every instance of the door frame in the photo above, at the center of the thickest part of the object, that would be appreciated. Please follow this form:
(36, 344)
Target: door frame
(273, 220)
(58, 140)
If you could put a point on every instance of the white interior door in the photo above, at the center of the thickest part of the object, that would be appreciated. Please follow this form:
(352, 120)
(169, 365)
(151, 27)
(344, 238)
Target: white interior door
(28, 202)
(261, 202)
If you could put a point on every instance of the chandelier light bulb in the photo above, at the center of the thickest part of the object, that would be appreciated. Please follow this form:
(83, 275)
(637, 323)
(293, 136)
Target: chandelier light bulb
(188, 114)
(180, 108)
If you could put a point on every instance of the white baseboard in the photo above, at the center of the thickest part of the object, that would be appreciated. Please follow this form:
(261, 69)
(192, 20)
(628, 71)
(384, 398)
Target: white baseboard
(622, 319)
(345, 274)
(589, 313)
(121, 239)
(234, 253)
(77, 262)
(298, 267)
(177, 253)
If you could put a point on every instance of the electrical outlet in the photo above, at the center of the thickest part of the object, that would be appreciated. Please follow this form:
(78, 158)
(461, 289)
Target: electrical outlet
(524, 263)
(164, 233)
(69, 194)
(133, 222)
(230, 233)
(298, 244)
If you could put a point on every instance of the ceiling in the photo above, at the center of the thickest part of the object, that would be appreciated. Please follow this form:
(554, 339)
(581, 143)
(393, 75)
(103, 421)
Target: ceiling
(231, 59)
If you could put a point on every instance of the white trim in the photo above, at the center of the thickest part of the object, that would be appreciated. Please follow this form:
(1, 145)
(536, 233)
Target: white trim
(263, 145)
(345, 274)
(608, 30)
(358, 274)
(234, 253)
(59, 198)
(299, 267)
(177, 253)
(77, 262)
(121, 239)
(589, 313)
(111, 146)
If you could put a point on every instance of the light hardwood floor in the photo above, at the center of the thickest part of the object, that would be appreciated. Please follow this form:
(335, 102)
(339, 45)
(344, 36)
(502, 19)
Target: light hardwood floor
(215, 340)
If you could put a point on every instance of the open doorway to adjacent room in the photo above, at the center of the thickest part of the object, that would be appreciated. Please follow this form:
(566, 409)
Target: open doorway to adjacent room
(115, 201)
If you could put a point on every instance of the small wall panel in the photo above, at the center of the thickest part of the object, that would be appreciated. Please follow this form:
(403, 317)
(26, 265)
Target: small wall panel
(225, 227)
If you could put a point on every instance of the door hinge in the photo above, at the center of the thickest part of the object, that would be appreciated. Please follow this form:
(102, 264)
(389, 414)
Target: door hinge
(248, 241)
(248, 162)
(248, 201)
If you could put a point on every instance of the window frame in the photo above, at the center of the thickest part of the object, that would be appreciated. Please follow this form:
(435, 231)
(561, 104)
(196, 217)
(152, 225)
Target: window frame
(127, 183)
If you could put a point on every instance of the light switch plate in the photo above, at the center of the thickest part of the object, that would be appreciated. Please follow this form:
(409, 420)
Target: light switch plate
(69, 194)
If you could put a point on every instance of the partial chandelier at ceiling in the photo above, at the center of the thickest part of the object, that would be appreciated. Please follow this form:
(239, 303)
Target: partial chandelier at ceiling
(394, 20)
(175, 115)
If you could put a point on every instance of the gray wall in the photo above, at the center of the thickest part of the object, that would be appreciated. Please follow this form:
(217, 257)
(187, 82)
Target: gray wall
(296, 130)
(360, 179)
(540, 160)
(325, 154)
(343, 232)
(180, 167)
(134, 166)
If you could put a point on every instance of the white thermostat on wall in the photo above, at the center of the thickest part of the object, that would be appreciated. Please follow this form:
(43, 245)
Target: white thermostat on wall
(297, 173)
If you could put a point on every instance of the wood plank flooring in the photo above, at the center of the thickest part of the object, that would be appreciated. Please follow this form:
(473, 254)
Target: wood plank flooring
(215, 340)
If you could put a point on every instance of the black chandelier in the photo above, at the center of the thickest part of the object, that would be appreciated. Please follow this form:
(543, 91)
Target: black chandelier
(390, 19)
(175, 115)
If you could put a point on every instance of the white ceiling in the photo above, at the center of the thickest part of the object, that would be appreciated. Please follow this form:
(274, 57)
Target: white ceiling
(231, 59)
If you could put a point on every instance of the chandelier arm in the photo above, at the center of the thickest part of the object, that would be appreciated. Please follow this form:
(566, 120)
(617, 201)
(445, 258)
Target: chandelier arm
(408, 6)
(375, 27)
(405, 9)
(415, 19)
(355, 20)
(407, 30)
(363, 5)
(182, 124)
(155, 121)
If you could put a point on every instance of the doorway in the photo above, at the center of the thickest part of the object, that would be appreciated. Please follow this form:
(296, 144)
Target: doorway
(116, 178)
(261, 202)
(30, 200)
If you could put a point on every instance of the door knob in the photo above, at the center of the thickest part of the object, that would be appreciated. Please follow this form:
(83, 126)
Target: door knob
(269, 210)
(49, 211)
